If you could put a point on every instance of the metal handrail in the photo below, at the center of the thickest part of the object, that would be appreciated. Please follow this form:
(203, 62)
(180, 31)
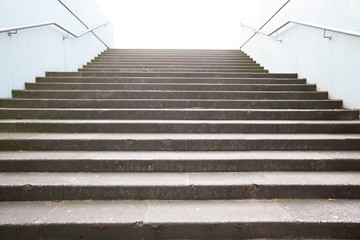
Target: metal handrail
(13, 30)
(72, 13)
(317, 26)
(266, 22)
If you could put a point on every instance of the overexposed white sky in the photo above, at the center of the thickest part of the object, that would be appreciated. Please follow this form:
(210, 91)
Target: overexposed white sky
(177, 23)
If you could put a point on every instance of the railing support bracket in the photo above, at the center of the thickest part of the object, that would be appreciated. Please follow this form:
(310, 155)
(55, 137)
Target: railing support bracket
(10, 33)
(328, 36)
(277, 37)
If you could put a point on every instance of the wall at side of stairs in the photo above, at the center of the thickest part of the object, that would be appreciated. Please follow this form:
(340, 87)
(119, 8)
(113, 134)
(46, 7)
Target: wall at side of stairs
(31, 52)
(334, 65)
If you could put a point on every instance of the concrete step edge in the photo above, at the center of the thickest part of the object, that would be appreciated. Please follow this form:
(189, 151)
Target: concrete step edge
(184, 126)
(178, 186)
(230, 219)
(179, 161)
(176, 142)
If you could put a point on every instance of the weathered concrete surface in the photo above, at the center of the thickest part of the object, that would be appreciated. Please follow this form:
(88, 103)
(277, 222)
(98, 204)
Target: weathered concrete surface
(171, 74)
(178, 126)
(179, 161)
(179, 114)
(176, 142)
(169, 103)
(172, 186)
(180, 219)
(201, 80)
(154, 94)
(170, 86)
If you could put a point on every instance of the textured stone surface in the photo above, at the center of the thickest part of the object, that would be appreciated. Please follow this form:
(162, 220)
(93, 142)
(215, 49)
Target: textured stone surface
(161, 219)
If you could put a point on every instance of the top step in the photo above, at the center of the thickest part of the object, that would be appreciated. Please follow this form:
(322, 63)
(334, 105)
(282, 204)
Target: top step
(187, 53)
(219, 51)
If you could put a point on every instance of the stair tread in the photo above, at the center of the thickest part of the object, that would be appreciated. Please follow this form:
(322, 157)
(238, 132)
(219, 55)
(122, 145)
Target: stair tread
(171, 74)
(200, 78)
(179, 155)
(174, 136)
(165, 84)
(150, 121)
(184, 109)
(178, 212)
(171, 91)
(178, 179)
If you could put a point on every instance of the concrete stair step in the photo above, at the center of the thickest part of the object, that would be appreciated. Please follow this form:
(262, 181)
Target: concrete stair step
(173, 64)
(174, 57)
(178, 126)
(201, 219)
(159, 94)
(154, 70)
(192, 161)
(171, 74)
(137, 50)
(179, 114)
(174, 53)
(170, 80)
(172, 67)
(176, 142)
(169, 65)
(169, 103)
(170, 86)
(177, 62)
(40, 186)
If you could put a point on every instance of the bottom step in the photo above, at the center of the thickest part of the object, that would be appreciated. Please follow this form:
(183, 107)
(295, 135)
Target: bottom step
(180, 219)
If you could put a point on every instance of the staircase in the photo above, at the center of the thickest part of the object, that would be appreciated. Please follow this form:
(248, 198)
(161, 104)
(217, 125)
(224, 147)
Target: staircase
(177, 144)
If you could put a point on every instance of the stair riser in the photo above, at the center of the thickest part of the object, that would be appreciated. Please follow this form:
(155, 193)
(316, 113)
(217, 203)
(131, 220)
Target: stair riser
(173, 68)
(169, 95)
(150, 103)
(173, 58)
(153, 70)
(169, 65)
(173, 51)
(177, 128)
(177, 145)
(159, 65)
(280, 87)
(213, 63)
(178, 165)
(146, 230)
(175, 115)
(170, 74)
(192, 192)
(176, 62)
(170, 80)
(175, 54)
